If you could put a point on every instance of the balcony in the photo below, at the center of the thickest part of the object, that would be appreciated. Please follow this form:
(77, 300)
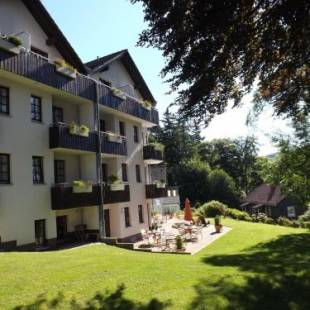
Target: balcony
(37, 68)
(116, 196)
(60, 137)
(151, 155)
(113, 145)
(63, 198)
(153, 191)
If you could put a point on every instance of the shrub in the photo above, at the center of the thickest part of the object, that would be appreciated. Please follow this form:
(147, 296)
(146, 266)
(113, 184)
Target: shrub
(217, 220)
(213, 208)
(237, 214)
(305, 217)
(15, 40)
(283, 221)
(179, 242)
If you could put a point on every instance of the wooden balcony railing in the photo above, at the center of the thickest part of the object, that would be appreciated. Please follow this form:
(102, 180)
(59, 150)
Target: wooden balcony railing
(116, 196)
(152, 191)
(151, 155)
(63, 198)
(60, 137)
(111, 147)
(39, 69)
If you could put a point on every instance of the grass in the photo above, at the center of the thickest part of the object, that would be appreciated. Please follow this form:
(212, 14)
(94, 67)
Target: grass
(254, 266)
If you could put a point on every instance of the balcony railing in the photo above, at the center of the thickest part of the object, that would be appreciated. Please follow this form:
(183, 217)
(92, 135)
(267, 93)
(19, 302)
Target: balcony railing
(152, 191)
(151, 155)
(112, 147)
(63, 198)
(39, 69)
(60, 137)
(116, 196)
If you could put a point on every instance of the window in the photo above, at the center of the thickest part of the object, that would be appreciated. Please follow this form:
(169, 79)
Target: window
(124, 173)
(136, 134)
(37, 170)
(138, 174)
(127, 217)
(122, 130)
(102, 125)
(5, 169)
(140, 211)
(291, 211)
(60, 171)
(105, 82)
(40, 232)
(104, 172)
(4, 100)
(58, 115)
(39, 52)
(174, 193)
(169, 193)
(36, 109)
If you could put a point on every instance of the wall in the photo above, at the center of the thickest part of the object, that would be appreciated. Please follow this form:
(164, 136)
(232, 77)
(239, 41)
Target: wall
(15, 18)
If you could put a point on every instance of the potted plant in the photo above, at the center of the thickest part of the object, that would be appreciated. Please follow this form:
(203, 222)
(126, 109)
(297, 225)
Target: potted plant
(160, 184)
(11, 43)
(64, 68)
(74, 129)
(82, 187)
(179, 244)
(118, 93)
(115, 183)
(147, 104)
(113, 137)
(84, 131)
(217, 223)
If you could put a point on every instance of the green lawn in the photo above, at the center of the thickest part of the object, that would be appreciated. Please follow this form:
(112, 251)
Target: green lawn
(254, 266)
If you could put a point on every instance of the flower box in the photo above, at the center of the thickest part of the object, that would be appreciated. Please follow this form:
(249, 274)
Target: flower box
(74, 129)
(117, 187)
(82, 187)
(118, 93)
(66, 71)
(8, 46)
(160, 185)
(112, 137)
(84, 131)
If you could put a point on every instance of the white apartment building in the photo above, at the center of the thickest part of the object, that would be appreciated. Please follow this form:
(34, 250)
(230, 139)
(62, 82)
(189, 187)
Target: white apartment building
(74, 155)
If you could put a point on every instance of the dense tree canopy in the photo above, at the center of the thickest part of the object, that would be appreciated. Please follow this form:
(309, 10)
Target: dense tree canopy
(217, 50)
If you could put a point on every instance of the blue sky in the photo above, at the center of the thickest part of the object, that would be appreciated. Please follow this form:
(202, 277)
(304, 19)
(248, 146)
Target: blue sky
(99, 27)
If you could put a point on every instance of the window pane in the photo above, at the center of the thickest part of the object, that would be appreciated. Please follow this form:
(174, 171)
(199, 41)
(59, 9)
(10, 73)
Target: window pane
(4, 100)
(126, 214)
(138, 175)
(37, 170)
(36, 109)
(58, 115)
(124, 173)
(60, 173)
(136, 134)
(140, 211)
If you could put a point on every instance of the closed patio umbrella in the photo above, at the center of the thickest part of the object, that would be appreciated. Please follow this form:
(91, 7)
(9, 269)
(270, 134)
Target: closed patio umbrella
(187, 211)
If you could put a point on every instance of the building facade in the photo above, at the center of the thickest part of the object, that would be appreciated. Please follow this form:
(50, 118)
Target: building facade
(73, 148)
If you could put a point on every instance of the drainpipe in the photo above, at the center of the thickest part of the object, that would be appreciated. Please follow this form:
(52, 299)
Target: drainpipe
(98, 168)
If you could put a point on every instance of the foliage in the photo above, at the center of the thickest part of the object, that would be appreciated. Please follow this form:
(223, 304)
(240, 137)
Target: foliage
(147, 104)
(237, 214)
(213, 208)
(63, 63)
(305, 217)
(158, 146)
(15, 40)
(80, 183)
(222, 187)
(113, 179)
(217, 220)
(217, 51)
(283, 221)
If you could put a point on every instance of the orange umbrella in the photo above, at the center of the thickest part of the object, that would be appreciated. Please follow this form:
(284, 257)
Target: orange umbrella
(187, 211)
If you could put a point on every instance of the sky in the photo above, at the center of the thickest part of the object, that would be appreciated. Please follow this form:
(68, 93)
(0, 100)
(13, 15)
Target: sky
(100, 27)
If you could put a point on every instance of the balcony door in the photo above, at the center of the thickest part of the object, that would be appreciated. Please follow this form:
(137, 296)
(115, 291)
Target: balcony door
(61, 225)
(107, 223)
(40, 232)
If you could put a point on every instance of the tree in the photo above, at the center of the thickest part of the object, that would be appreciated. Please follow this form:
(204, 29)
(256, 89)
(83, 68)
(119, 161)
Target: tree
(217, 50)
(222, 188)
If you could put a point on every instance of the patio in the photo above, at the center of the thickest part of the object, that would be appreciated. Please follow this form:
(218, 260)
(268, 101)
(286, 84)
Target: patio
(163, 239)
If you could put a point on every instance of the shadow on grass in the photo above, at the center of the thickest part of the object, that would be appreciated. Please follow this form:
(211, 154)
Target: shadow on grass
(281, 278)
(107, 301)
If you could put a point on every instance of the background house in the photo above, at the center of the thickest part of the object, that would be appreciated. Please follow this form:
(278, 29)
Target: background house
(270, 200)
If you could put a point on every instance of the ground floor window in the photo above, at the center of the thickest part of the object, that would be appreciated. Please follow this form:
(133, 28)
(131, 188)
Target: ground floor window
(141, 215)
(291, 212)
(127, 217)
(60, 171)
(37, 170)
(5, 169)
(40, 232)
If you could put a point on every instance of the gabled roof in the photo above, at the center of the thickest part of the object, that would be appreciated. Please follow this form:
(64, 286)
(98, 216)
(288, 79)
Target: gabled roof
(100, 64)
(54, 34)
(265, 194)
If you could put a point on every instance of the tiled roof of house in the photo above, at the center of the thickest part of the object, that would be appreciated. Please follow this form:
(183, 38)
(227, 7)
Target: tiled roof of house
(265, 194)
(101, 63)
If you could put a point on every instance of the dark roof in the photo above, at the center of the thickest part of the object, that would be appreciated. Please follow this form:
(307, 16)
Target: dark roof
(101, 63)
(54, 34)
(265, 194)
